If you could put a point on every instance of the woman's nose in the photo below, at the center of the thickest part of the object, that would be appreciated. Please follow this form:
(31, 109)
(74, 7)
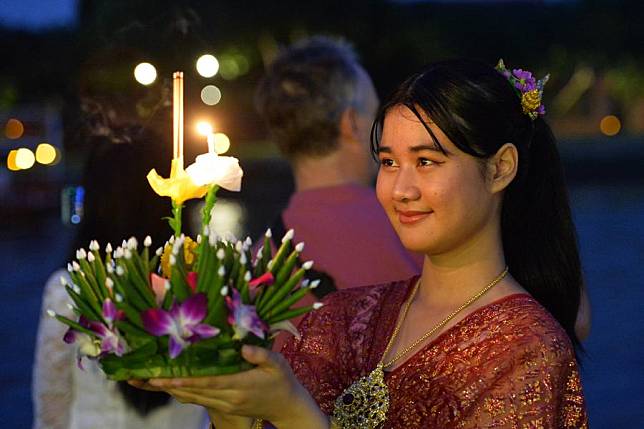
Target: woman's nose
(405, 188)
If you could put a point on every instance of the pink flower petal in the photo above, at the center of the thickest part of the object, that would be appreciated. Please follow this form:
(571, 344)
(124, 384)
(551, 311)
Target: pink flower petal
(193, 310)
(158, 284)
(157, 321)
(175, 347)
(205, 331)
(265, 279)
(191, 279)
(109, 311)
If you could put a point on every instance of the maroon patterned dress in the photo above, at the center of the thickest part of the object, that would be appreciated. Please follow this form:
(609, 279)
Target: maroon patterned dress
(508, 364)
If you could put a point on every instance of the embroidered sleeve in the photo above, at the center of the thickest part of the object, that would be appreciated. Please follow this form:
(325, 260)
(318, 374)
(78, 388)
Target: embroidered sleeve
(539, 389)
(52, 373)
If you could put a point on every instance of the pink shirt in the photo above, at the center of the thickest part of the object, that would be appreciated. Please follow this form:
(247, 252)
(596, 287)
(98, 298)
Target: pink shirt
(348, 235)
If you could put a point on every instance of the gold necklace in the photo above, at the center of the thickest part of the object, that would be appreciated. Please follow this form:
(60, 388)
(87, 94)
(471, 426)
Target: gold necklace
(364, 404)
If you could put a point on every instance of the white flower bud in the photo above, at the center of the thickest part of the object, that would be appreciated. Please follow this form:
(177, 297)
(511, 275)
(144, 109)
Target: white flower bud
(110, 268)
(314, 284)
(69, 267)
(239, 246)
(148, 241)
(120, 271)
(259, 252)
(166, 285)
(70, 307)
(288, 236)
(76, 289)
(248, 242)
(199, 239)
(90, 257)
(212, 240)
(109, 283)
(118, 297)
(108, 248)
(127, 253)
(81, 254)
(224, 291)
(173, 259)
(63, 281)
(206, 230)
(243, 259)
(171, 240)
(269, 265)
(318, 305)
(132, 243)
(124, 244)
(221, 271)
(268, 233)
(93, 246)
(221, 254)
(118, 253)
(305, 282)
(248, 276)
(75, 266)
(299, 247)
(307, 265)
(51, 313)
(159, 251)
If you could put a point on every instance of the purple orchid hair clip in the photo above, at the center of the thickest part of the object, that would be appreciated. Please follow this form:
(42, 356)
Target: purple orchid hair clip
(528, 88)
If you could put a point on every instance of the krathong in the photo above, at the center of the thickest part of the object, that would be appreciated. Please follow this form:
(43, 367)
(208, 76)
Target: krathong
(187, 308)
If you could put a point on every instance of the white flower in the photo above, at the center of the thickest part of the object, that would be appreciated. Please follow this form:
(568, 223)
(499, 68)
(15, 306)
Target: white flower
(212, 169)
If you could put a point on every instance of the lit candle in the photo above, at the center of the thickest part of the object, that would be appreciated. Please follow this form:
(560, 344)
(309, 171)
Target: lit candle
(177, 117)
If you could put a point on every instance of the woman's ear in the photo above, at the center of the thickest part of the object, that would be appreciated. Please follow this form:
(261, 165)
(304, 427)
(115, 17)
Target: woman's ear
(502, 167)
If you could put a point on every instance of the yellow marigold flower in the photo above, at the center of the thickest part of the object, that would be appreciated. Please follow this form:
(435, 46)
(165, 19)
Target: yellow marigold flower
(189, 246)
(530, 101)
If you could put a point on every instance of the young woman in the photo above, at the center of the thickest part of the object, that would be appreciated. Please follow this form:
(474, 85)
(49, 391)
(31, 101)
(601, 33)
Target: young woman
(470, 176)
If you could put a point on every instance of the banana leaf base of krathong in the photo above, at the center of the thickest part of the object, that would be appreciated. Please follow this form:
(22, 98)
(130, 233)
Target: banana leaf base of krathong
(145, 363)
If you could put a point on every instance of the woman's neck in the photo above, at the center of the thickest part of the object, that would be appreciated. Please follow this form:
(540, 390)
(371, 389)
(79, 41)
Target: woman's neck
(448, 280)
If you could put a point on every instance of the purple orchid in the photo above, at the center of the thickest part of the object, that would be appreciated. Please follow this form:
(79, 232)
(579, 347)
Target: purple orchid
(181, 323)
(524, 80)
(109, 339)
(243, 318)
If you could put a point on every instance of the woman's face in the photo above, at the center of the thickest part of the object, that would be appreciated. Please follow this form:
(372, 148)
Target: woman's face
(437, 203)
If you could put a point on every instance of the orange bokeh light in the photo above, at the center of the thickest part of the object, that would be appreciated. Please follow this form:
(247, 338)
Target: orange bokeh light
(14, 129)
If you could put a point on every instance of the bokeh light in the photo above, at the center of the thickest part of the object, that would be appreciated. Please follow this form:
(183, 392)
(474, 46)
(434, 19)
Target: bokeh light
(25, 158)
(242, 63)
(145, 73)
(210, 95)
(14, 129)
(229, 68)
(221, 142)
(207, 65)
(204, 128)
(11, 161)
(46, 154)
(610, 125)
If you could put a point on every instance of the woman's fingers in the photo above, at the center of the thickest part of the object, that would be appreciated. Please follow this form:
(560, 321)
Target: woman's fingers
(230, 405)
(144, 385)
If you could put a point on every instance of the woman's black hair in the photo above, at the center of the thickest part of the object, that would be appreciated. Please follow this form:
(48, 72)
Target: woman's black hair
(480, 111)
(120, 204)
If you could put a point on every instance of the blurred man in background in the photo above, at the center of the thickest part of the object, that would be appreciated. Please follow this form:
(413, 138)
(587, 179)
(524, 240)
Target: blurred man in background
(319, 104)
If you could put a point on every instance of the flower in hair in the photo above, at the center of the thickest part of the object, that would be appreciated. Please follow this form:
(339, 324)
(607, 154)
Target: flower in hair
(528, 88)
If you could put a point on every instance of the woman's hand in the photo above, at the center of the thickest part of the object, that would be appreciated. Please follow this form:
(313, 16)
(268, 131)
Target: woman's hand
(270, 391)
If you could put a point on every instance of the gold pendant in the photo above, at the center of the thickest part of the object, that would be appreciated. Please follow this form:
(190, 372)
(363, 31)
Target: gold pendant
(364, 404)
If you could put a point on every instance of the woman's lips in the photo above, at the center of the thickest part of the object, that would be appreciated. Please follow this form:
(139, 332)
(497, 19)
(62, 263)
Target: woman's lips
(410, 217)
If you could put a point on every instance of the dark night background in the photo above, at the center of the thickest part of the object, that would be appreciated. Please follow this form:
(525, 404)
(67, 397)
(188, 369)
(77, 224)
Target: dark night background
(55, 55)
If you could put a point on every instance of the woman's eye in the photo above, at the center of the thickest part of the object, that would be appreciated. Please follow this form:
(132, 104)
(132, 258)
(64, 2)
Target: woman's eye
(386, 162)
(424, 162)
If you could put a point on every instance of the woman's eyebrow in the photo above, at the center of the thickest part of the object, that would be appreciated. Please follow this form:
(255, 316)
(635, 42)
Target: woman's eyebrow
(415, 149)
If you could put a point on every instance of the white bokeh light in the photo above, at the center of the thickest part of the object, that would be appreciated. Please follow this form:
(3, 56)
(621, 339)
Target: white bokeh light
(210, 95)
(207, 65)
(145, 73)
(204, 128)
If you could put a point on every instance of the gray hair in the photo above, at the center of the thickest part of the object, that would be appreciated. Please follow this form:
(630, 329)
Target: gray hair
(304, 93)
